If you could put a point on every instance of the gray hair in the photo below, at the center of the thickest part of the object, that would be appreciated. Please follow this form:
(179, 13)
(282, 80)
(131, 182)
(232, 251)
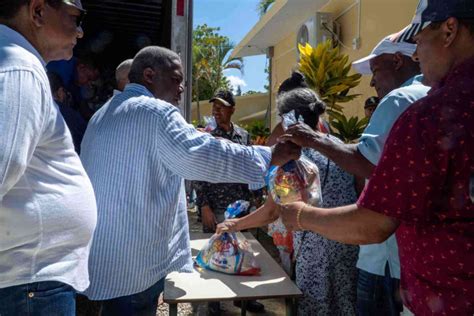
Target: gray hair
(154, 57)
(304, 102)
(123, 69)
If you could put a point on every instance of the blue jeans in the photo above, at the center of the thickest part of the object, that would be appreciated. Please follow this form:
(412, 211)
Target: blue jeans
(141, 304)
(378, 295)
(38, 299)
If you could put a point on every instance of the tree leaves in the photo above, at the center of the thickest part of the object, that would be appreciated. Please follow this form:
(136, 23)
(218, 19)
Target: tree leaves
(210, 59)
(327, 72)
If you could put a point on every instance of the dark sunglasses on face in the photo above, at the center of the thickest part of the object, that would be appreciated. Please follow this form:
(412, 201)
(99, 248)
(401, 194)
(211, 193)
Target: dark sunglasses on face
(80, 18)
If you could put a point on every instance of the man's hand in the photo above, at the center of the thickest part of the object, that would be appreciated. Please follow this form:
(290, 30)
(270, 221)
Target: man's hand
(283, 152)
(302, 135)
(289, 213)
(208, 218)
(229, 226)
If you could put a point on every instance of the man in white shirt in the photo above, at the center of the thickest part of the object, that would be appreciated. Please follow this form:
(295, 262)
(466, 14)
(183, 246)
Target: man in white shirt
(47, 205)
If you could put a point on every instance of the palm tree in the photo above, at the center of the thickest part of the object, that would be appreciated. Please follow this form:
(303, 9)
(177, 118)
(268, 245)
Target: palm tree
(211, 56)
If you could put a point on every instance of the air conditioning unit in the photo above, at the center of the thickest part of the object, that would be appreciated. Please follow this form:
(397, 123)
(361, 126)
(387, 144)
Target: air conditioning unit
(319, 28)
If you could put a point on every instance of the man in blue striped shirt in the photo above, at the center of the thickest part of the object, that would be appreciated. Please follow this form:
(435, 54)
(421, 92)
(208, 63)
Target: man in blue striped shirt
(137, 150)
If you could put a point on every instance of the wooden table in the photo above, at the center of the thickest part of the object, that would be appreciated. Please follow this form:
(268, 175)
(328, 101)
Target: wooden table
(206, 286)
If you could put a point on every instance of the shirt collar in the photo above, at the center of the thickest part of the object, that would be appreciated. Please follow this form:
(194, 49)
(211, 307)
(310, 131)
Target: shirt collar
(138, 88)
(464, 70)
(21, 41)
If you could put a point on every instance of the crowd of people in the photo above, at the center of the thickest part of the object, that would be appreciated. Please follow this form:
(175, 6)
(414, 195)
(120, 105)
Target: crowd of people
(96, 204)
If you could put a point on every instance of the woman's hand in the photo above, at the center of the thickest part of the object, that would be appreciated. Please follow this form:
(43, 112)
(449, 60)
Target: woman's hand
(301, 134)
(229, 226)
(289, 215)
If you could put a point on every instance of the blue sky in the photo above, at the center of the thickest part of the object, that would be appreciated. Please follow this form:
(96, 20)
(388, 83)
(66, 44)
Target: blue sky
(235, 18)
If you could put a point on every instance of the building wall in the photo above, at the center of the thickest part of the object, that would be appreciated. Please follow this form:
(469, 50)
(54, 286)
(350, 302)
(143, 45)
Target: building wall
(245, 106)
(378, 19)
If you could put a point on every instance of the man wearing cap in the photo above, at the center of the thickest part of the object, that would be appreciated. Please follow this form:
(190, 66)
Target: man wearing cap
(395, 78)
(421, 186)
(213, 199)
(47, 205)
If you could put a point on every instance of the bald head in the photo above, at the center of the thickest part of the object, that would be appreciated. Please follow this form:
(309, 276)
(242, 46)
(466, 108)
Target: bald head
(121, 73)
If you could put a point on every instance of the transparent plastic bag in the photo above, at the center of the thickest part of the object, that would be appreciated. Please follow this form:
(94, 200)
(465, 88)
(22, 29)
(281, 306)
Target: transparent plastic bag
(228, 253)
(209, 123)
(297, 180)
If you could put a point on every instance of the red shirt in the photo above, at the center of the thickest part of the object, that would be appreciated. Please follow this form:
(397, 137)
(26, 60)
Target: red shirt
(423, 180)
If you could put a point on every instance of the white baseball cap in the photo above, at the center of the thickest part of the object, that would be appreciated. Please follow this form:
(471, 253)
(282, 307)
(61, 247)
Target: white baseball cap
(389, 45)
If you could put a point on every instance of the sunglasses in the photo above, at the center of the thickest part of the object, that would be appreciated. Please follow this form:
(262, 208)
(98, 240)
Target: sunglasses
(80, 18)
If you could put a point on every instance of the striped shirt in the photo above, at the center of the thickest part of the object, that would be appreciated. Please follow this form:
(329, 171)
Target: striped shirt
(137, 150)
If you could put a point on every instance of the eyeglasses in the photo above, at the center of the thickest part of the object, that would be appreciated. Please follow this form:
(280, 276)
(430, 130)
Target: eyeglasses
(80, 18)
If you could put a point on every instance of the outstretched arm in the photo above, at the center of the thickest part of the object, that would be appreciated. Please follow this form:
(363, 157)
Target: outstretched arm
(264, 215)
(351, 224)
(346, 156)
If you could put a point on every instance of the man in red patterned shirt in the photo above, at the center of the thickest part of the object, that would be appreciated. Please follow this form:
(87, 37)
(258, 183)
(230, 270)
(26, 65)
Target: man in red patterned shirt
(421, 186)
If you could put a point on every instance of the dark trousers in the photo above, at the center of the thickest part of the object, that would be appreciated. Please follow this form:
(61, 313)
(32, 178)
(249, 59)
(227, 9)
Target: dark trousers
(141, 304)
(38, 299)
(378, 295)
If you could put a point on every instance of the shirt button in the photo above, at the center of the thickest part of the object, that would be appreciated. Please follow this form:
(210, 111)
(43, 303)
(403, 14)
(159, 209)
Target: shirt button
(31, 295)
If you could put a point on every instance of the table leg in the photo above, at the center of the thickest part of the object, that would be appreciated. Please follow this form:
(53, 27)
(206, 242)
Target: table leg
(291, 307)
(173, 310)
(243, 308)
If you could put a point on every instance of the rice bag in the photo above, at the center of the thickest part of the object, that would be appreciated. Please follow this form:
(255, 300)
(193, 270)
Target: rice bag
(228, 253)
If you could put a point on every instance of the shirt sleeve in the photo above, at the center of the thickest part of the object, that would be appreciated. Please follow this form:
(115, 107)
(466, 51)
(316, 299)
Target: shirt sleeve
(199, 156)
(373, 138)
(407, 182)
(21, 119)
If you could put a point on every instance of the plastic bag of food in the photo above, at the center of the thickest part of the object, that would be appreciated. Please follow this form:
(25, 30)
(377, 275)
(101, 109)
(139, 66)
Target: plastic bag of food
(297, 180)
(228, 253)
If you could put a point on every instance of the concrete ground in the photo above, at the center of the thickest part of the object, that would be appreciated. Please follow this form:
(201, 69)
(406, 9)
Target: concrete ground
(273, 307)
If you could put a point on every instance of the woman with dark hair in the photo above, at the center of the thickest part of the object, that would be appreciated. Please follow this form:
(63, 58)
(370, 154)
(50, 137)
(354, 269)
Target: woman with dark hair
(325, 270)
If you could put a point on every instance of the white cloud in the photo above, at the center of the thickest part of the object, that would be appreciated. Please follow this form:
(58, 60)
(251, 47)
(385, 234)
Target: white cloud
(235, 82)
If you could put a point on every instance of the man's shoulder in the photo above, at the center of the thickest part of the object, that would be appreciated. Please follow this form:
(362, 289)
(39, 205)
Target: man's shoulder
(411, 91)
(398, 100)
(15, 57)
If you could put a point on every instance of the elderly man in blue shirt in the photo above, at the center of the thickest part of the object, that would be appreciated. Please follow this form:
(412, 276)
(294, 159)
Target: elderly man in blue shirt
(395, 77)
(137, 150)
